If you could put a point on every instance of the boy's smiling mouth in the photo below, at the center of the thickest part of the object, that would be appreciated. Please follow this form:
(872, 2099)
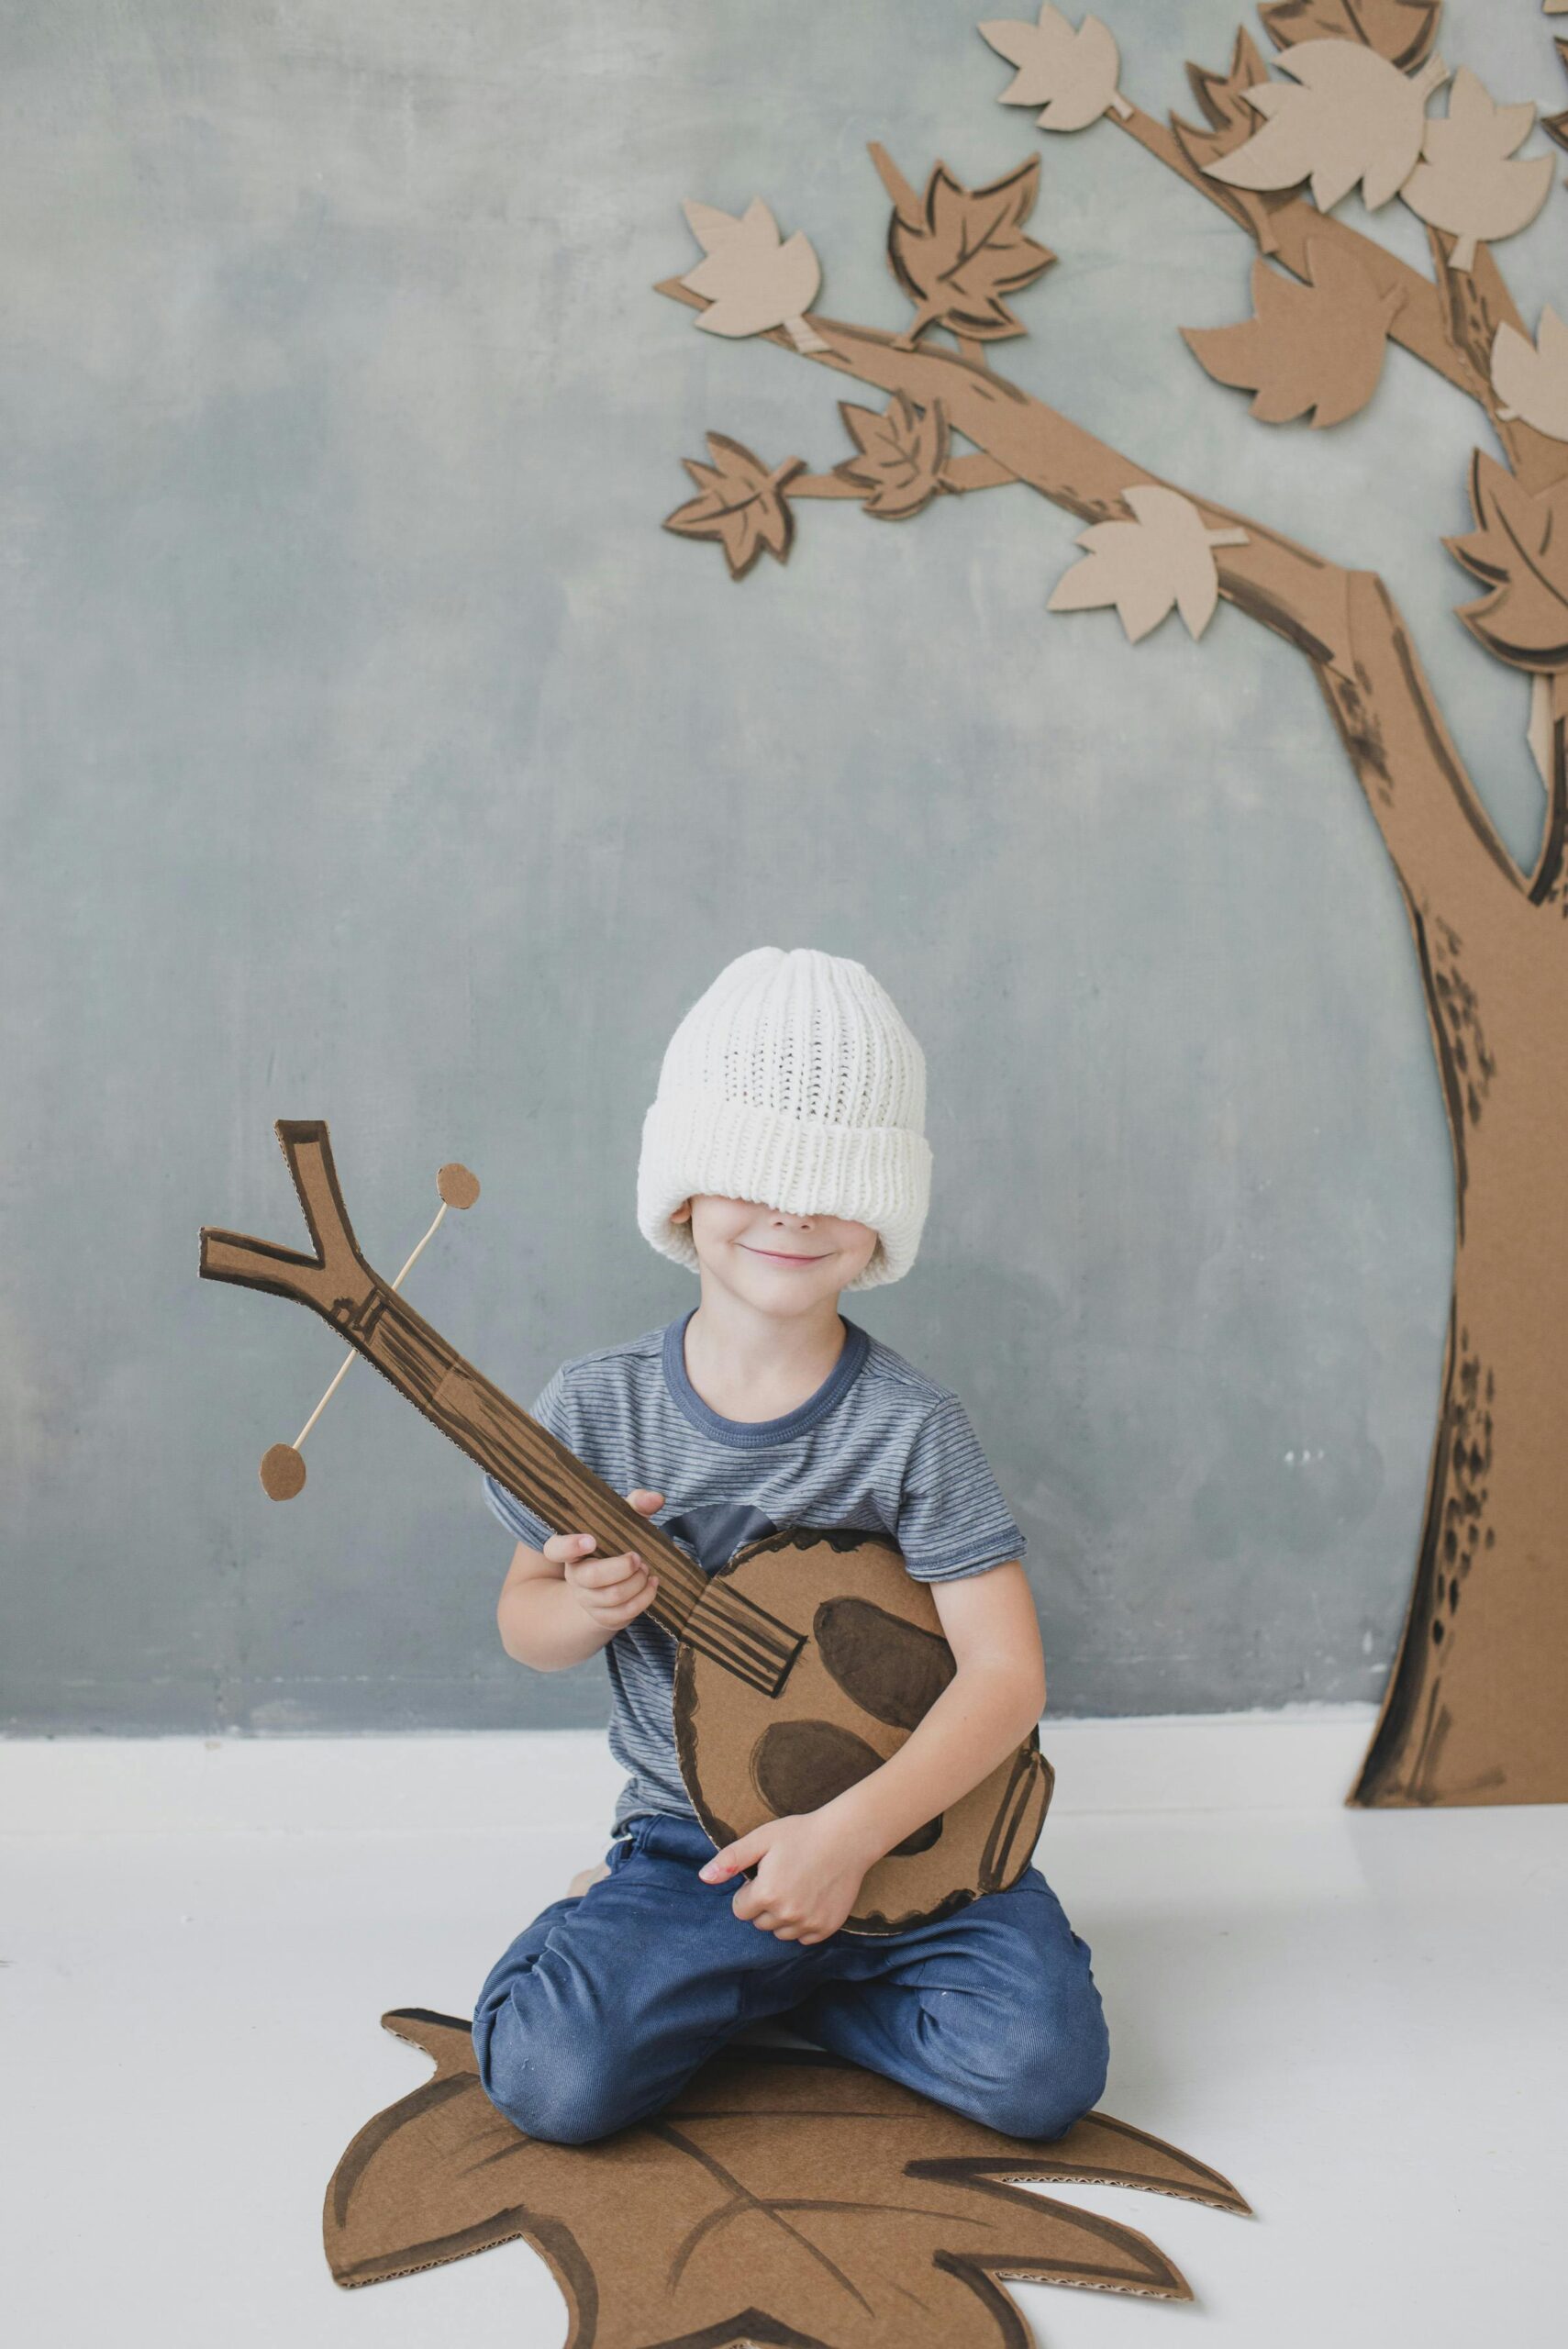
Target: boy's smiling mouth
(779, 1255)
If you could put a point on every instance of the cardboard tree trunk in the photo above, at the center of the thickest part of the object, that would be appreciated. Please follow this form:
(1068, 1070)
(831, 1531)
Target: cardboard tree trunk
(1476, 1706)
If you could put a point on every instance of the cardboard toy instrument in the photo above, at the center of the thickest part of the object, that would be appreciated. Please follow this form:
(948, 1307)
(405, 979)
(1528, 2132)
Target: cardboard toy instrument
(803, 1663)
(782, 2196)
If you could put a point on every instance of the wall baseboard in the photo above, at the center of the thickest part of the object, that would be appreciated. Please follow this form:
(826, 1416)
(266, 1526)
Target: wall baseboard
(1303, 1758)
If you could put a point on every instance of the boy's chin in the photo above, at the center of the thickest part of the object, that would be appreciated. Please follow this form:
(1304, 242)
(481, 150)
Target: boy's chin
(773, 1286)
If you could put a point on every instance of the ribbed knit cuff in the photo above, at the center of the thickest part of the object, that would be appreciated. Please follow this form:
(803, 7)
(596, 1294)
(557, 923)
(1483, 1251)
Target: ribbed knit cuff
(695, 1140)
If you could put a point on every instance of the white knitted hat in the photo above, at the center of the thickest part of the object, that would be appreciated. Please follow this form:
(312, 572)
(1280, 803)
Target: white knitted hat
(793, 1082)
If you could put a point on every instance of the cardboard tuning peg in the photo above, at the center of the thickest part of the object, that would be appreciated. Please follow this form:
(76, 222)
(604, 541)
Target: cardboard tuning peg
(456, 1185)
(282, 1465)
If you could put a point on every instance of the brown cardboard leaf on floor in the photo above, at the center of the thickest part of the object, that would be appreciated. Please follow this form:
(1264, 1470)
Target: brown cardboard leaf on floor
(782, 2196)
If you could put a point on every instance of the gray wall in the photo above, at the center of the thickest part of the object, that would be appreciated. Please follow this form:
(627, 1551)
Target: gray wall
(370, 752)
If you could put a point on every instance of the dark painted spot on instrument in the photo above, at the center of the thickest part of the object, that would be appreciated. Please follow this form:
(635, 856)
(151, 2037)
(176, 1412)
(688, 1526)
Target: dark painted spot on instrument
(890, 1669)
(804, 1537)
(799, 1765)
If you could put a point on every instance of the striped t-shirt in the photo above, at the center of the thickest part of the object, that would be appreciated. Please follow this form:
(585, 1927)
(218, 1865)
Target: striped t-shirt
(878, 1448)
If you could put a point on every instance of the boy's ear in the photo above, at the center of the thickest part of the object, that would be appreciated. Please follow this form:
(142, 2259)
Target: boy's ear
(682, 1213)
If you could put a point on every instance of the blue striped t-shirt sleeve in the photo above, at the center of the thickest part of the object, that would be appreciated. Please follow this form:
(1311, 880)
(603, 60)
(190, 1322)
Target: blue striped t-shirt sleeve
(551, 1408)
(953, 1519)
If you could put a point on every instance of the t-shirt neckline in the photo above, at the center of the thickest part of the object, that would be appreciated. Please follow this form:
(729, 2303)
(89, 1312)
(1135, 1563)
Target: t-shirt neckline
(747, 1435)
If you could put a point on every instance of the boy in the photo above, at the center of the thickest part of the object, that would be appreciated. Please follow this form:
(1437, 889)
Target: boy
(785, 1160)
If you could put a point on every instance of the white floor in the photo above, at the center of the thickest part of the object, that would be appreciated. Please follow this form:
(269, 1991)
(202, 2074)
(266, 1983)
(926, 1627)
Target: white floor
(1360, 2018)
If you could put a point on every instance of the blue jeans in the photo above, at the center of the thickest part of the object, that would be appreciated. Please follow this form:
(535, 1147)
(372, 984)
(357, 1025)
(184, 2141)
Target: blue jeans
(601, 2010)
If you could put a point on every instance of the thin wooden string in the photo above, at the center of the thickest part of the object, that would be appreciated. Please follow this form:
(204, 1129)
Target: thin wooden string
(351, 1356)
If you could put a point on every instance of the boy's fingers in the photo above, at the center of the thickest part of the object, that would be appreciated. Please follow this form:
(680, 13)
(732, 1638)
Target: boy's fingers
(642, 1498)
(730, 1858)
(601, 1573)
(623, 1613)
(565, 1548)
(614, 1590)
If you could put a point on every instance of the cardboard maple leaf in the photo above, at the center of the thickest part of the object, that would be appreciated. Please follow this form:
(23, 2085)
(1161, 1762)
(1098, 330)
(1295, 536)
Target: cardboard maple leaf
(751, 278)
(782, 2196)
(1531, 379)
(739, 502)
(1145, 566)
(1351, 117)
(1231, 120)
(1070, 75)
(1519, 548)
(901, 452)
(1556, 125)
(957, 251)
(1464, 182)
(1401, 30)
(1223, 97)
(1316, 345)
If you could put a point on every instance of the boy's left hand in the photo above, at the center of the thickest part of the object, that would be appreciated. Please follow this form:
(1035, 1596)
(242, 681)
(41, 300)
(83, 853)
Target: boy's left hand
(809, 1869)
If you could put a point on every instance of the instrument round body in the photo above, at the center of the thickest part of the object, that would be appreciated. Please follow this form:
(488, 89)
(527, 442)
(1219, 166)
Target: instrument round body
(873, 1663)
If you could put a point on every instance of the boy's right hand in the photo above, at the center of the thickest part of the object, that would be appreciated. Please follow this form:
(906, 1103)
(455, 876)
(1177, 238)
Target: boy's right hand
(613, 1591)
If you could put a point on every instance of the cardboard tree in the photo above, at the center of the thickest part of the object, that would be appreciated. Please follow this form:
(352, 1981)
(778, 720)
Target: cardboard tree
(1476, 1707)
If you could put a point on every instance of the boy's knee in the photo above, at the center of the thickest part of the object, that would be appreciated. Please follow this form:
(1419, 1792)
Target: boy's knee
(1043, 2071)
(565, 2095)
(1059, 2070)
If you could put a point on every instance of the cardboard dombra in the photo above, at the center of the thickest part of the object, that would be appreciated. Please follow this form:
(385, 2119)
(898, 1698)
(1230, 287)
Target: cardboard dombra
(803, 1663)
(782, 2196)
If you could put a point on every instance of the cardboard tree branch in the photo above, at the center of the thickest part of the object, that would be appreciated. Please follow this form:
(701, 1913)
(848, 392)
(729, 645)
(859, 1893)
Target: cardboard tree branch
(1449, 324)
(782, 2196)
(1476, 1707)
(1430, 814)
